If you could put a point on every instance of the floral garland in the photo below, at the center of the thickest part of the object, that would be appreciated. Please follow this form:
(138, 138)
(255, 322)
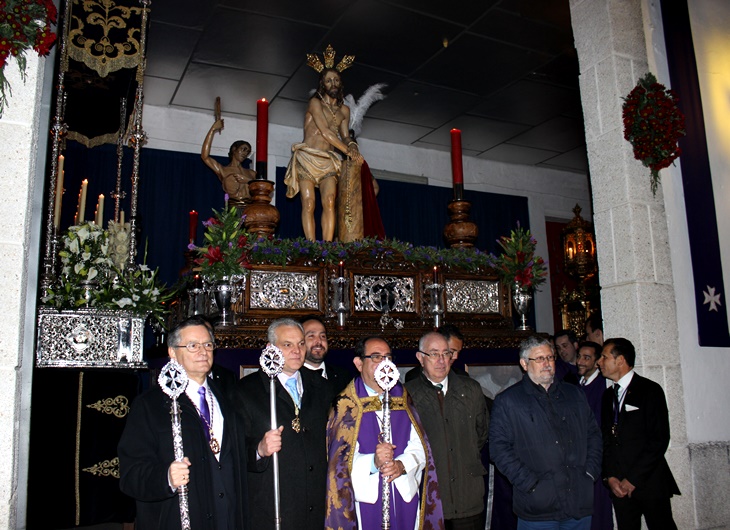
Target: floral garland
(653, 124)
(24, 24)
(518, 264)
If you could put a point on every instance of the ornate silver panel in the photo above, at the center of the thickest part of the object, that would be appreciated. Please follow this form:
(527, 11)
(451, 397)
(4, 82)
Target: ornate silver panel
(380, 293)
(89, 338)
(284, 290)
(472, 296)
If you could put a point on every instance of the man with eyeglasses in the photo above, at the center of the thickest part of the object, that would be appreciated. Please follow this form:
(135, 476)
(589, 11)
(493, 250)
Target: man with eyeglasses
(454, 414)
(359, 460)
(302, 403)
(545, 440)
(214, 467)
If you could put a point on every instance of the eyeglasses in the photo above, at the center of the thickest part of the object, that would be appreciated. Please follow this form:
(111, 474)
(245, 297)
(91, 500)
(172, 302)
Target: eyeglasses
(445, 355)
(194, 347)
(377, 357)
(542, 360)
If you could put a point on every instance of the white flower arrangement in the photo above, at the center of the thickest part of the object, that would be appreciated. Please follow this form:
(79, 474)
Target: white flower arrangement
(93, 263)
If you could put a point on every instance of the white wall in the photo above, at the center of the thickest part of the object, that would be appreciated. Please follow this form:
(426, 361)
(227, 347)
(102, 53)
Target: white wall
(550, 193)
(704, 370)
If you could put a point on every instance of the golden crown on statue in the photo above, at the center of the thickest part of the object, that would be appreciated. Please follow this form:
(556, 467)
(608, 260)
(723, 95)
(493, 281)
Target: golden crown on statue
(329, 61)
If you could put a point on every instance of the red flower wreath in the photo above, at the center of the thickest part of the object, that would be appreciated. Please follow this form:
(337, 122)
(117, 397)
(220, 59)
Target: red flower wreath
(653, 124)
(24, 24)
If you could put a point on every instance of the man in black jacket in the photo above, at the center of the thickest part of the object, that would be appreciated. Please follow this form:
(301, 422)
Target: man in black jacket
(214, 467)
(302, 405)
(545, 440)
(635, 423)
(315, 341)
(454, 415)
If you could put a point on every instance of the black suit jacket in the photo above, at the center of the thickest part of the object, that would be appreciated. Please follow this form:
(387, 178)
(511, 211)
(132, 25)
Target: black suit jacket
(636, 451)
(146, 452)
(303, 455)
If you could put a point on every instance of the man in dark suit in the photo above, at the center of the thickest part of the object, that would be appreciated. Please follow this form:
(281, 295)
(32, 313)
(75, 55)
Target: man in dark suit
(594, 386)
(455, 338)
(214, 466)
(302, 405)
(315, 340)
(635, 424)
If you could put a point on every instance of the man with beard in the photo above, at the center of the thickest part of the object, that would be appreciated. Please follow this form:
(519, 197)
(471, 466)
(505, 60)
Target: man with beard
(314, 162)
(545, 440)
(315, 341)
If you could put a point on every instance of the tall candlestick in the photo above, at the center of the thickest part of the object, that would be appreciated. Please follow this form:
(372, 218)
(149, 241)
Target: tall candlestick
(121, 217)
(99, 218)
(435, 274)
(262, 137)
(457, 171)
(193, 225)
(82, 201)
(59, 195)
(341, 269)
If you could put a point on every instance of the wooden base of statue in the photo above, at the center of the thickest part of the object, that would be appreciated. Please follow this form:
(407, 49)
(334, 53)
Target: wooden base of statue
(261, 216)
(350, 225)
(460, 232)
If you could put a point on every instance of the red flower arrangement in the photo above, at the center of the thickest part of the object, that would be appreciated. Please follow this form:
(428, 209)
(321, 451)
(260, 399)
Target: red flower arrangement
(518, 264)
(24, 24)
(653, 124)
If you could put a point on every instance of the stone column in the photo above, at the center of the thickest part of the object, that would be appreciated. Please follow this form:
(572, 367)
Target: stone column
(637, 297)
(23, 135)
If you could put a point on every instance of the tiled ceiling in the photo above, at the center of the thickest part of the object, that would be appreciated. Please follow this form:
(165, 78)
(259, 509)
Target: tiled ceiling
(505, 72)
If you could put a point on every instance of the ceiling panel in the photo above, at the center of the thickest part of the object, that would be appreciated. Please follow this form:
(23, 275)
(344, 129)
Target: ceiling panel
(503, 71)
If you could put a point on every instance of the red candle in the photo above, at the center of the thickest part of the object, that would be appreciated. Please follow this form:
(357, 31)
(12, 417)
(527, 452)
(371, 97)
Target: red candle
(435, 274)
(262, 130)
(193, 225)
(457, 171)
(341, 270)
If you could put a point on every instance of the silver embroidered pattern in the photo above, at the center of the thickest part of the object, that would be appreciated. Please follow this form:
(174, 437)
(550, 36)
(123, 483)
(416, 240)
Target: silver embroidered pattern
(90, 338)
(284, 290)
(472, 296)
(382, 293)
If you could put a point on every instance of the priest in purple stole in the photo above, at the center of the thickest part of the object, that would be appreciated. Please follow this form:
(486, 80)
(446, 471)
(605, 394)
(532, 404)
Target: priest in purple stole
(359, 462)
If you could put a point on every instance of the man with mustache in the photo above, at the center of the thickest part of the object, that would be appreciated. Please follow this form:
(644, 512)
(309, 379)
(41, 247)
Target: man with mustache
(315, 162)
(544, 439)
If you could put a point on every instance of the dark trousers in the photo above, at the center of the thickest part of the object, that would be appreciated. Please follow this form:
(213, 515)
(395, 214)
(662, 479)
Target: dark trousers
(656, 512)
(475, 522)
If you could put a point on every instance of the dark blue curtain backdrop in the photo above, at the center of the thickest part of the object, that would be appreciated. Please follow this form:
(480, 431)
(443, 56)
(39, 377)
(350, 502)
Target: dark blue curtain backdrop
(173, 183)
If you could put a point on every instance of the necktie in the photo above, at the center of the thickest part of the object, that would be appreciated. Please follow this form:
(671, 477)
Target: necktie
(291, 386)
(583, 382)
(204, 412)
(439, 387)
(616, 403)
(440, 395)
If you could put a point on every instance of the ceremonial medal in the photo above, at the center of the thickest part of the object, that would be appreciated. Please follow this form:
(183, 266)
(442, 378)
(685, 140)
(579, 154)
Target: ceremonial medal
(296, 424)
(214, 445)
(614, 429)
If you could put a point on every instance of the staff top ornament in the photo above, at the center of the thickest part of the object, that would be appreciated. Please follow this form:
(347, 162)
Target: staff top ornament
(386, 375)
(173, 379)
(329, 61)
(271, 360)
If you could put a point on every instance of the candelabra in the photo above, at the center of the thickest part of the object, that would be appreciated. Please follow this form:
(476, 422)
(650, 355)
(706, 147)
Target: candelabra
(341, 298)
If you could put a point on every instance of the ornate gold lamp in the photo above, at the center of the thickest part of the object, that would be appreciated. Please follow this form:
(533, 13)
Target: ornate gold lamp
(579, 258)
(579, 247)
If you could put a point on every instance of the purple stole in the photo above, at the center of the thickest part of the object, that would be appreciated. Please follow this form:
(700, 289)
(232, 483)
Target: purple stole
(348, 424)
(402, 514)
